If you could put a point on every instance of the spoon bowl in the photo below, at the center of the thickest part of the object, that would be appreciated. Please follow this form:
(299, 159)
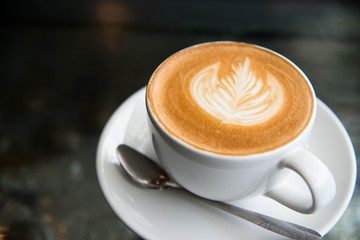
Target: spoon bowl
(142, 170)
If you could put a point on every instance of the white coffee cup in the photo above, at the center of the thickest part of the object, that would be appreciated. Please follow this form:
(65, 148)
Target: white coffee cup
(228, 177)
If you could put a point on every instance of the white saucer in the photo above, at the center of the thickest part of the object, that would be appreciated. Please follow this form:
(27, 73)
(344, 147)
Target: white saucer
(170, 215)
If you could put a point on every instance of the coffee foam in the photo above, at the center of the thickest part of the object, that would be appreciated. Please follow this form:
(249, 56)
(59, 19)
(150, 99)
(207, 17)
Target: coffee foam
(230, 98)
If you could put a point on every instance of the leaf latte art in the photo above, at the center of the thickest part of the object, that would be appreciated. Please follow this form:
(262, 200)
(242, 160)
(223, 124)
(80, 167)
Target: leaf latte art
(238, 98)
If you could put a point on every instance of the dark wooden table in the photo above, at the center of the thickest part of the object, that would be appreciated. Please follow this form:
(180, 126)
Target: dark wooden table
(67, 65)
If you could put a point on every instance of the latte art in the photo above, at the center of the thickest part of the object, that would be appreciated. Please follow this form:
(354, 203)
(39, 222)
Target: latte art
(239, 98)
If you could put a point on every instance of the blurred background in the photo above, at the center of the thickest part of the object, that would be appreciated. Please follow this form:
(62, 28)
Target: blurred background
(67, 65)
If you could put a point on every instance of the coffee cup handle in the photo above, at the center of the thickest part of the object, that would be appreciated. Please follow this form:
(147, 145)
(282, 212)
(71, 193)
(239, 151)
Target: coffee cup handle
(316, 175)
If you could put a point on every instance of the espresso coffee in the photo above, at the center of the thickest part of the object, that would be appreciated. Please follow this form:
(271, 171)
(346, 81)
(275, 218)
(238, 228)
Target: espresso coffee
(231, 98)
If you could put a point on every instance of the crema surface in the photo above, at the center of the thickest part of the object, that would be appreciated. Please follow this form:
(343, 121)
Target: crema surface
(230, 98)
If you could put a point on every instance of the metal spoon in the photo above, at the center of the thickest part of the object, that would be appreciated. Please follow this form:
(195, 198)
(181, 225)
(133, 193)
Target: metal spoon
(148, 174)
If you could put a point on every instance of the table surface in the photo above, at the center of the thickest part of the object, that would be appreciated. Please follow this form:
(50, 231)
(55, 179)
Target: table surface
(67, 65)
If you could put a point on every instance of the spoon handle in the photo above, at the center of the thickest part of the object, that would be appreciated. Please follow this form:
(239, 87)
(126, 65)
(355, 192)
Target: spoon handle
(281, 227)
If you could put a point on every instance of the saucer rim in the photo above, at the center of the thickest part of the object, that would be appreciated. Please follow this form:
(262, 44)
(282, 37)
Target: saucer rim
(353, 164)
(328, 112)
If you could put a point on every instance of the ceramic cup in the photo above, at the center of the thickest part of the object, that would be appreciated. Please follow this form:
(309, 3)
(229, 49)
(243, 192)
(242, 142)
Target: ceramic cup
(227, 177)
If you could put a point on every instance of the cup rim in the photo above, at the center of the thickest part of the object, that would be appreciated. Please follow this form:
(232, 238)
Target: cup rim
(255, 157)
